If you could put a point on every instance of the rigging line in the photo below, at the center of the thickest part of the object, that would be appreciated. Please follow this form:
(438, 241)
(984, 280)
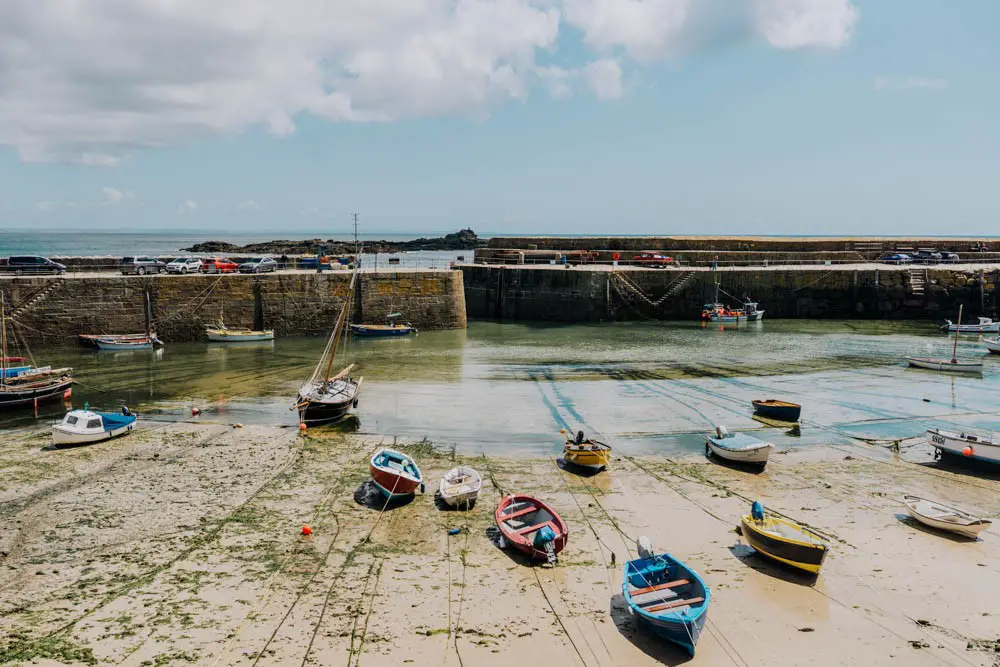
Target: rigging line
(371, 604)
(559, 620)
(590, 525)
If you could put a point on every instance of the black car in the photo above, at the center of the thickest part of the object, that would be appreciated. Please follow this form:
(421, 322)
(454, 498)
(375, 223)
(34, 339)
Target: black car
(927, 257)
(27, 264)
(949, 257)
(141, 265)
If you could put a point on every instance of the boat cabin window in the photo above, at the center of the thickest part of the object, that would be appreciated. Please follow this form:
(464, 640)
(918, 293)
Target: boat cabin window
(94, 423)
(72, 419)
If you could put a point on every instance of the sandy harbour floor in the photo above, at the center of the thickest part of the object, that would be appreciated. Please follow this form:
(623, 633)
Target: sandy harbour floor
(180, 545)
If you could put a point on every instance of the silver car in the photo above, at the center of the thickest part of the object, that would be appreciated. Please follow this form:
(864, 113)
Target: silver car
(184, 265)
(258, 265)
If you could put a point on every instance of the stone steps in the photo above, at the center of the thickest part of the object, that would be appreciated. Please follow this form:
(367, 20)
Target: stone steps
(917, 280)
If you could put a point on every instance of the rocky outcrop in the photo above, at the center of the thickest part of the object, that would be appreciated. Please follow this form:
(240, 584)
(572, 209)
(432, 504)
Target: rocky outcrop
(465, 239)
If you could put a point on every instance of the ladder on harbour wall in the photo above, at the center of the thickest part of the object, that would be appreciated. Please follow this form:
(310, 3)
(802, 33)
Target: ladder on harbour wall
(626, 288)
(917, 281)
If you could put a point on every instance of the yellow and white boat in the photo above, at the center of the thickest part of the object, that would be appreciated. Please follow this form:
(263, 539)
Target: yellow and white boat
(224, 334)
(784, 540)
(589, 454)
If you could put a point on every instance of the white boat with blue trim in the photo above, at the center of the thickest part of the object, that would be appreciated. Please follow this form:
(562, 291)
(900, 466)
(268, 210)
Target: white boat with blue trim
(738, 447)
(966, 445)
(80, 427)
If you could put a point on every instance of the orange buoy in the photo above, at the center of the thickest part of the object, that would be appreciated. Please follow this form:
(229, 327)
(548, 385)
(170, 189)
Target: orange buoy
(967, 451)
(195, 411)
(302, 427)
(68, 394)
(307, 530)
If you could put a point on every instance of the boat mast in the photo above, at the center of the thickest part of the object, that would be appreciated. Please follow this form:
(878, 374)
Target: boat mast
(3, 338)
(954, 349)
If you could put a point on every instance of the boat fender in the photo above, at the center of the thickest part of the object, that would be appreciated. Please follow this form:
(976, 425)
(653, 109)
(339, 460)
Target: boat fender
(422, 487)
(644, 546)
(355, 403)
(454, 531)
(544, 536)
(721, 432)
(757, 511)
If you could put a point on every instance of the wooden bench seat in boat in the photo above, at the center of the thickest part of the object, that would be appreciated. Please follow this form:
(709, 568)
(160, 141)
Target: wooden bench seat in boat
(527, 530)
(522, 512)
(675, 604)
(660, 587)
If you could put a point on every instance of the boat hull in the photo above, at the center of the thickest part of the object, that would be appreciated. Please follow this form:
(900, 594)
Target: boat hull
(219, 336)
(316, 408)
(954, 445)
(460, 487)
(110, 345)
(806, 557)
(945, 366)
(525, 543)
(380, 331)
(970, 530)
(61, 436)
(784, 413)
(392, 485)
(993, 345)
(682, 625)
(756, 455)
(589, 459)
(13, 397)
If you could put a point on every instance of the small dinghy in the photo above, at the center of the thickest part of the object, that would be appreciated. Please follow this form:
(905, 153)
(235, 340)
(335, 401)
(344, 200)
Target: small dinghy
(460, 486)
(224, 334)
(992, 344)
(782, 411)
(943, 517)
(964, 445)
(81, 427)
(737, 447)
(395, 474)
(784, 540)
(953, 365)
(589, 454)
(531, 526)
(985, 325)
(666, 596)
(117, 343)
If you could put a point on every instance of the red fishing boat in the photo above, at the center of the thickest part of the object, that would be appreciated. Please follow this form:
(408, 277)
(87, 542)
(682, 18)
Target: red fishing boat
(531, 526)
(395, 474)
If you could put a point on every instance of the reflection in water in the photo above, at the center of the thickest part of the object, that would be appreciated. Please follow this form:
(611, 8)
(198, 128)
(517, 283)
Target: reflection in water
(645, 387)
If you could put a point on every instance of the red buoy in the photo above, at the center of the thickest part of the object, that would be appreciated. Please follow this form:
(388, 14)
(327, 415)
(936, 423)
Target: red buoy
(307, 530)
(967, 451)
(302, 427)
(195, 411)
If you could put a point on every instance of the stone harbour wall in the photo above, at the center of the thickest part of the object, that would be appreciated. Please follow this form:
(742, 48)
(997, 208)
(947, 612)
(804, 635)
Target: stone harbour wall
(579, 294)
(53, 310)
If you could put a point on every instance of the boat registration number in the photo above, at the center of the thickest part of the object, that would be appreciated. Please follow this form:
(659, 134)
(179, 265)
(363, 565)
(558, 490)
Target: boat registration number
(937, 439)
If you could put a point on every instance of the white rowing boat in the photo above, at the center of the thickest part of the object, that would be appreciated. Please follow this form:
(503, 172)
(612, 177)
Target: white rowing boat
(460, 486)
(967, 445)
(738, 447)
(992, 344)
(942, 517)
(946, 365)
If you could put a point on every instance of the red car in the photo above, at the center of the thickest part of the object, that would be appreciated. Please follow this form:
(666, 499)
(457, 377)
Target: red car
(218, 265)
(652, 258)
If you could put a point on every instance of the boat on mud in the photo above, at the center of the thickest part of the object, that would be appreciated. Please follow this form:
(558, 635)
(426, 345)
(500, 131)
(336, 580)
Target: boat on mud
(80, 427)
(777, 410)
(395, 474)
(783, 540)
(738, 447)
(531, 526)
(965, 445)
(943, 517)
(460, 487)
(587, 453)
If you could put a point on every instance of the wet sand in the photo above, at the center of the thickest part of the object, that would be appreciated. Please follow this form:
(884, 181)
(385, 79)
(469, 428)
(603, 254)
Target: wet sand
(181, 544)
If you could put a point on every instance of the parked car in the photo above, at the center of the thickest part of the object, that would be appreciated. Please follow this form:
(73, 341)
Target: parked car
(184, 265)
(949, 257)
(22, 264)
(258, 265)
(927, 257)
(896, 258)
(653, 259)
(141, 265)
(218, 265)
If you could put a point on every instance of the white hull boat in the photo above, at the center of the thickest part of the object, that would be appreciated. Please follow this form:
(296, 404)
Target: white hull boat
(80, 427)
(224, 335)
(946, 365)
(992, 344)
(460, 486)
(738, 447)
(985, 325)
(943, 517)
(965, 444)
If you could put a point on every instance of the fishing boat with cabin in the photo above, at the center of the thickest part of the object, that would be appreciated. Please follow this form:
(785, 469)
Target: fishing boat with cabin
(531, 526)
(395, 474)
(666, 596)
(953, 365)
(964, 445)
(943, 517)
(587, 453)
(80, 427)
(460, 487)
(737, 447)
(984, 325)
(777, 410)
(784, 540)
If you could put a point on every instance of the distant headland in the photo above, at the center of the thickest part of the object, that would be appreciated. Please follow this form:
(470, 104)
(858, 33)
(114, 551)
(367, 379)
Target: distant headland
(464, 239)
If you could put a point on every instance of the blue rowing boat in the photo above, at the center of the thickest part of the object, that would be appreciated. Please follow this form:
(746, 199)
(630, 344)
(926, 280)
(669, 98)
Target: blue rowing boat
(393, 327)
(666, 596)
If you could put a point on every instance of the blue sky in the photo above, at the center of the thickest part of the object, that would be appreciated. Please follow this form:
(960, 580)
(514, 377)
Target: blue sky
(880, 120)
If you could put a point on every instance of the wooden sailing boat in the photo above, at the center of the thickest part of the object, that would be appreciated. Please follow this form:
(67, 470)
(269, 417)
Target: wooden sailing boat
(327, 397)
(954, 365)
(31, 385)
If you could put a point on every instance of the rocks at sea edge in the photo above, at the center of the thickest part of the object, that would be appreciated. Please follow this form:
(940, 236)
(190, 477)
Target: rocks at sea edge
(465, 239)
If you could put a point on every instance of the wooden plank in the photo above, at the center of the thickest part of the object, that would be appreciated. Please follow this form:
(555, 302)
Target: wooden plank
(660, 587)
(682, 602)
(538, 526)
(514, 515)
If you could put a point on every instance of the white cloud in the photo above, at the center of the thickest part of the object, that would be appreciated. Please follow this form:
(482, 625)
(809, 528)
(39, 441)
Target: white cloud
(92, 80)
(113, 196)
(909, 83)
(797, 24)
(187, 207)
(605, 78)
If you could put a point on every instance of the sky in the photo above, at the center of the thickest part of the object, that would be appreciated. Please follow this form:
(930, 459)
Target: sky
(507, 116)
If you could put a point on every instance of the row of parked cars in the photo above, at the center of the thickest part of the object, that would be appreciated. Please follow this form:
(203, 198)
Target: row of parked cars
(920, 257)
(142, 265)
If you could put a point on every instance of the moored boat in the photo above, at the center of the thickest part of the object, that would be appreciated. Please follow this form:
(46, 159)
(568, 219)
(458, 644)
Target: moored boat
(85, 426)
(460, 486)
(738, 447)
(992, 344)
(784, 540)
(587, 453)
(666, 596)
(966, 445)
(30, 385)
(531, 526)
(942, 517)
(753, 313)
(946, 365)
(985, 325)
(90, 340)
(395, 474)
(224, 334)
(393, 326)
(777, 410)
(118, 344)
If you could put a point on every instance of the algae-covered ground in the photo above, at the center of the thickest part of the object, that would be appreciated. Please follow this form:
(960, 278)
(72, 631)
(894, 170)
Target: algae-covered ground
(182, 544)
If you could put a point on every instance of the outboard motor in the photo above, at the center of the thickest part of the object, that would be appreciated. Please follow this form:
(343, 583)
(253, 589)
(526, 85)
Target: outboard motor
(645, 547)
(126, 411)
(721, 432)
(545, 540)
(579, 437)
(757, 511)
